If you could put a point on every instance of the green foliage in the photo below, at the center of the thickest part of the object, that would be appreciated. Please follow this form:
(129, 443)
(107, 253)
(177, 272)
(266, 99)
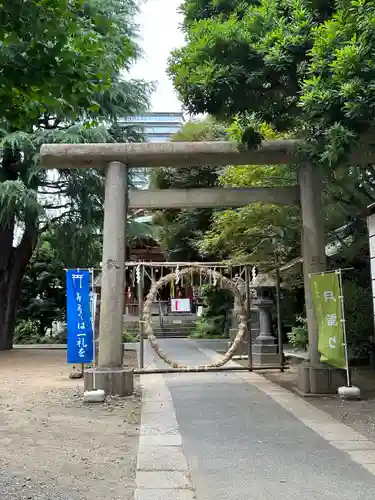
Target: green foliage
(81, 48)
(27, 331)
(217, 303)
(359, 318)
(128, 336)
(181, 230)
(202, 9)
(43, 287)
(58, 55)
(259, 231)
(282, 69)
(298, 337)
(302, 66)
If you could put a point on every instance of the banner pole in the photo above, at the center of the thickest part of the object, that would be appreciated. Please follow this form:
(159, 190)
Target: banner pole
(92, 305)
(279, 319)
(140, 314)
(248, 308)
(93, 326)
(339, 272)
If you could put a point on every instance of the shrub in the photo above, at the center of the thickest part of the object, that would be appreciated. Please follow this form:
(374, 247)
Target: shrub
(298, 337)
(27, 332)
(130, 336)
(359, 318)
(217, 303)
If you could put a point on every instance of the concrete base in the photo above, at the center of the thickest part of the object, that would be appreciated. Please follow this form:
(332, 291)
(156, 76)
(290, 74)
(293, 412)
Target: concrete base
(95, 396)
(350, 393)
(113, 381)
(319, 379)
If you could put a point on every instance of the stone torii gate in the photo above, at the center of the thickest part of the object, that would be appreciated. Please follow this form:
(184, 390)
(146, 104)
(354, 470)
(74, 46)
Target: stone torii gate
(110, 375)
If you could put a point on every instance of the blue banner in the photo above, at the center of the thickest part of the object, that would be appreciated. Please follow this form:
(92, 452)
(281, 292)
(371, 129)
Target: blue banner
(79, 325)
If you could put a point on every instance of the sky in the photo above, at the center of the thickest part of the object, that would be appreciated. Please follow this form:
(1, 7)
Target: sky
(159, 35)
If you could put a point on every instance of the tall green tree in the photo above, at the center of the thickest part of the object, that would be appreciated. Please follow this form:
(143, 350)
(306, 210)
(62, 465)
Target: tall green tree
(303, 66)
(182, 230)
(62, 62)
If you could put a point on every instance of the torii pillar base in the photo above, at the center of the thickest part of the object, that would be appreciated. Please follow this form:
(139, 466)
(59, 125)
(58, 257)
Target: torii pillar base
(319, 380)
(113, 381)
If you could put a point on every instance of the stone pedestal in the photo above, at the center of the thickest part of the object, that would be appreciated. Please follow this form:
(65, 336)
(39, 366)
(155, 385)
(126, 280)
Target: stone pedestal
(321, 379)
(266, 354)
(113, 381)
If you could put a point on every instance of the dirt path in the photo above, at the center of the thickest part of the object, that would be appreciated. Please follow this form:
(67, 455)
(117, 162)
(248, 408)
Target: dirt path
(52, 447)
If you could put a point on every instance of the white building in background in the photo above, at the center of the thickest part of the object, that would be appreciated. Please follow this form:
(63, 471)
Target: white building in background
(156, 126)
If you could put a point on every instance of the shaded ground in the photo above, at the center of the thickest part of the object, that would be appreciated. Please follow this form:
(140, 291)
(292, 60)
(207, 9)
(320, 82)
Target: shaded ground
(359, 415)
(52, 447)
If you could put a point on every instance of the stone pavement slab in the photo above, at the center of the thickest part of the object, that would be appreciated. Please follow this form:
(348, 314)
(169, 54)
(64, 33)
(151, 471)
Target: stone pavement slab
(164, 495)
(160, 440)
(162, 470)
(156, 480)
(161, 458)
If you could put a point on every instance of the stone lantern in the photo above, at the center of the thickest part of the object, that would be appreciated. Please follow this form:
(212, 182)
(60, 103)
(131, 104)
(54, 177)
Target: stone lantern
(265, 348)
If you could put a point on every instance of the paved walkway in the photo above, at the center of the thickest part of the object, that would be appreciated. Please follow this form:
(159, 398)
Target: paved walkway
(237, 436)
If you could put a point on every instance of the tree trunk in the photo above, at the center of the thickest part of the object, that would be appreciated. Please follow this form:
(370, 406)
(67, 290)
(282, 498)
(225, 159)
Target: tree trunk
(13, 263)
(8, 292)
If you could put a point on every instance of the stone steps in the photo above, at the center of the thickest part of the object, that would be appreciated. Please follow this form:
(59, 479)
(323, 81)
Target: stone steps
(169, 330)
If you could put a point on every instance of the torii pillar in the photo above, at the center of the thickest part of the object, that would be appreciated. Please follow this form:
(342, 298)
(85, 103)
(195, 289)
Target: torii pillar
(314, 377)
(110, 375)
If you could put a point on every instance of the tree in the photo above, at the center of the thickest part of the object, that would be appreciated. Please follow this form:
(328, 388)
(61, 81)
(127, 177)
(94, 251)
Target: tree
(61, 83)
(43, 298)
(59, 55)
(303, 66)
(181, 230)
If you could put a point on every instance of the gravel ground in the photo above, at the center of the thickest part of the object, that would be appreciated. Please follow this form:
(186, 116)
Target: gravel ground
(359, 415)
(52, 446)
